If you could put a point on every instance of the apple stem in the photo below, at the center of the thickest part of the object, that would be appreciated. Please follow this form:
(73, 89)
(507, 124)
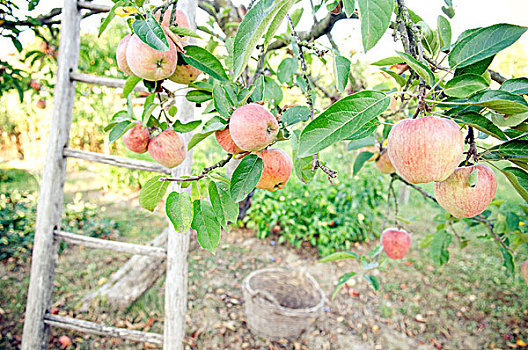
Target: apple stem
(472, 151)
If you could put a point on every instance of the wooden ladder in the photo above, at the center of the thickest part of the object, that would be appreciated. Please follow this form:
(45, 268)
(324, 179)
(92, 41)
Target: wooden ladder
(49, 210)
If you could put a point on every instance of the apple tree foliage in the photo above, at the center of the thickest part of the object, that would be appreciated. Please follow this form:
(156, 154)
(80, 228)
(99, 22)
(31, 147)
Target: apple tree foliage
(433, 74)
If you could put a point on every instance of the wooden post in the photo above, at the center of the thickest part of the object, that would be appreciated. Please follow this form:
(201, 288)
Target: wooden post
(49, 209)
(178, 242)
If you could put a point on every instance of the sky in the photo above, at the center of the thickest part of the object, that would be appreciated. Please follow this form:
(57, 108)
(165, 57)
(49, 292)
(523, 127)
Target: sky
(469, 14)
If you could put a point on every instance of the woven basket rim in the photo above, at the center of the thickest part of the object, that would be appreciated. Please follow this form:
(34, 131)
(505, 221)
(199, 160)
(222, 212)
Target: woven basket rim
(282, 309)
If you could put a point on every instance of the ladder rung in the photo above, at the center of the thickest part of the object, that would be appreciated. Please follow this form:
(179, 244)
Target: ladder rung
(95, 79)
(93, 242)
(115, 160)
(91, 6)
(96, 328)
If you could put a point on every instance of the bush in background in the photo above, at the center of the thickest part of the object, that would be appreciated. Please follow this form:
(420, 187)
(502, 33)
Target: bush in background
(329, 217)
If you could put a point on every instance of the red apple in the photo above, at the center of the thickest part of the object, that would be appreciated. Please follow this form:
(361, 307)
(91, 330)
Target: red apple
(121, 55)
(396, 243)
(35, 85)
(460, 199)
(276, 169)
(383, 163)
(524, 271)
(226, 142)
(253, 127)
(150, 64)
(168, 148)
(41, 104)
(65, 341)
(425, 149)
(137, 138)
(184, 73)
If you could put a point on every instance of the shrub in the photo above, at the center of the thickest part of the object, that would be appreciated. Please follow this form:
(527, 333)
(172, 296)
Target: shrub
(329, 217)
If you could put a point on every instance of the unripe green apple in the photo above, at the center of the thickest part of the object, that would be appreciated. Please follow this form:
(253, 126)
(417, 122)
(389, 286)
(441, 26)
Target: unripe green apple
(459, 198)
(276, 169)
(168, 148)
(396, 243)
(253, 127)
(425, 149)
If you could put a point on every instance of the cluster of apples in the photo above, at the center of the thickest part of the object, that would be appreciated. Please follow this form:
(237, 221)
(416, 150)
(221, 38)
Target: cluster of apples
(251, 129)
(429, 149)
(135, 58)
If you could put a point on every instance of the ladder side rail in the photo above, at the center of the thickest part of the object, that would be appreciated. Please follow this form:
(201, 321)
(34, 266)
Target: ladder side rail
(49, 208)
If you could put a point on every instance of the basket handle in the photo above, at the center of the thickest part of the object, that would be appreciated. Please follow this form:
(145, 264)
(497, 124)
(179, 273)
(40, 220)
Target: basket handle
(266, 295)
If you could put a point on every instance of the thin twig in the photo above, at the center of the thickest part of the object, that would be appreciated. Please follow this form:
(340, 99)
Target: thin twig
(202, 175)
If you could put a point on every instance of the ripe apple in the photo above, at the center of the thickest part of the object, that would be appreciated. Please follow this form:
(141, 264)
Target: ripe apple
(41, 104)
(460, 199)
(121, 55)
(524, 271)
(150, 64)
(383, 163)
(396, 243)
(253, 127)
(137, 138)
(184, 73)
(226, 142)
(65, 341)
(276, 169)
(168, 148)
(425, 149)
(35, 85)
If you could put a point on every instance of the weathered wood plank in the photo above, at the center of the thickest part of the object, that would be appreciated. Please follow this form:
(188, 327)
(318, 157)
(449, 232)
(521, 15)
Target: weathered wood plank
(101, 329)
(49, 208)
(98, 243)
(116, 161)
(104, 81)
(94, 7)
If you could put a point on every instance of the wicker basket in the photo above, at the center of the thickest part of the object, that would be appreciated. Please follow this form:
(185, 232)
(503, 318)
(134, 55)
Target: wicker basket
(280, 303)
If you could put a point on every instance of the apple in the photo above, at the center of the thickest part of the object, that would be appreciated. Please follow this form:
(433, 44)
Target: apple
(276, 169)
(41, 104)
(35, 85)
(226, 142)
(396, 243)
(184, 73)
(383, 163)
(65, 341)
(460, 199)
(121, 55)
(524, 271)
(150, 64)
(137, 138)
(168, 148)
(253, 127)
(425, 149)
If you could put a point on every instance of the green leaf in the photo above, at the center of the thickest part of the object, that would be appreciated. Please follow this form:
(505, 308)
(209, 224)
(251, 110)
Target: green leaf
(150, 32)
(508, 120)
(500, 101)
(212, 125)
(341, 282)
(207, 228)
(272, 91)
(258, 92)
(439, 247)
(223, 205)
(178, 126)
(179, 209)
(361, 159)
(109, 17)
(364, 142)
(341, 120)
(483, 43)
(349, 6)
(482, 123)
(444, 30)
(515, 149)
(287, 69)
(294, 115)
(519, 180)
(464, 85)
(399, 79)
(473, 178)
(374, 281)
(147, 110)
(341, 71)
(130, 84)
(152, 192)
(198, 96)
(222, 102)
(119, 129)
(507, 261)
(375, 18)
(518, 86)
(389, 61)
(339, 256)
(477, 68)
(365, 131)
(302, 166)
(205, 61)
(251, 29)
(421, 69)
(184, 32)
(277, 18)
(430, 38)
(245, 177)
